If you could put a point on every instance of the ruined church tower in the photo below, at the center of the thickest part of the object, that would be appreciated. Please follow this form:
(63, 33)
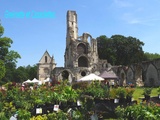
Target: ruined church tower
(80, 51)
(81, 54)
(72, 27)
(72, 35)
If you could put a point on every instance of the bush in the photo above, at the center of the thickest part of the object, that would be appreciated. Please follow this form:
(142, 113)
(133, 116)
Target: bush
(147, 91)
(139, 112)
(158, 90)
(24, 115)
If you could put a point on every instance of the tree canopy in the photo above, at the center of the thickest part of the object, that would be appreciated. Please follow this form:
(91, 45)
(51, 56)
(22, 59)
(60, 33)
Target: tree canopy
(120, 50)
(2, 69)
(7, 56)
(151, 56)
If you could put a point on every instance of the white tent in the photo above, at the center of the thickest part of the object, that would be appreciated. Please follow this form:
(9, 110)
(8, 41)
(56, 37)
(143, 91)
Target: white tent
(35, 80)
(90, 77)
(27, 81)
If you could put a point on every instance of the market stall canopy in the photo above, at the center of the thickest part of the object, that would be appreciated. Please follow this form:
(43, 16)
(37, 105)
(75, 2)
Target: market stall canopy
(108, 75)
(35, 80)
(27, 81)
(90, 77)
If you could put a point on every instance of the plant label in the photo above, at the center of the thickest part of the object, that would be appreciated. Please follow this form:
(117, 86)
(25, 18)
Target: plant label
(79, 103)
(38, 110)
(56, 107)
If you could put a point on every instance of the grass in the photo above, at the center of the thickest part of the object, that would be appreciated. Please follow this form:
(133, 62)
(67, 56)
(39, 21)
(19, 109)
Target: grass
(139, 91)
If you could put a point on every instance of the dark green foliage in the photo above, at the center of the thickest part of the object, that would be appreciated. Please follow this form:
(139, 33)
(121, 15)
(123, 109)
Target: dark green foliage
(120, 50)
(151, 56)
(7, 57)
(1, 30)
(96, 90)
(2, 69)
(147, 91)
(19, 74)
(139, 112)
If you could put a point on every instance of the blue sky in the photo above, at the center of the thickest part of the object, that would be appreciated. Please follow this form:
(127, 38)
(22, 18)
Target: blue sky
(33, 36)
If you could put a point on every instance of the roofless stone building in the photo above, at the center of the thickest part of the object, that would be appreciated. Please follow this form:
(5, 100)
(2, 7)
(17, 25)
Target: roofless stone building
(81, 58)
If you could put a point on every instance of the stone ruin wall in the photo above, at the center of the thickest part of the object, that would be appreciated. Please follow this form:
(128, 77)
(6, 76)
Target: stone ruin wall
(146, 73)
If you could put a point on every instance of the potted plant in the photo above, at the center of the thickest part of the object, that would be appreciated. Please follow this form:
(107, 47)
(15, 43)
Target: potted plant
(158, 90)
(129, 94)
(121, 92)
(70, 95)
(114, 98)
(146, 93)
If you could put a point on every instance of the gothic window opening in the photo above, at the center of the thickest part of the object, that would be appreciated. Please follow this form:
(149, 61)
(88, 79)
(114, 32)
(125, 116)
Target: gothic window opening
(82, 62)
(45, 59)
(65, 75)
(83, 73)
(81, 49)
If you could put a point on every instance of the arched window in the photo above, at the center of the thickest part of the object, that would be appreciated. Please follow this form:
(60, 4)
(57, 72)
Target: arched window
(81, 49)
(65, 75)
(83, 73)
(45, 59)
(82, 62)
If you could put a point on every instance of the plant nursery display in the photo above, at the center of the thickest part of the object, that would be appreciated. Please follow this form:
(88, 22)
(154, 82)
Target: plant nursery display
(65, 101)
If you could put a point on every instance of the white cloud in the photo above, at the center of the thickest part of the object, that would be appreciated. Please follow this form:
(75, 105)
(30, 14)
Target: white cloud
(122, 3)
(133, 18)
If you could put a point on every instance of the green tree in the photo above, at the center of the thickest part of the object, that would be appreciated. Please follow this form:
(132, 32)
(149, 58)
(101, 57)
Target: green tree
(20, 74)
(23, 73)
(105, 49)
(151, 56)
(9, 57)
(32, 71)
(2, 69)
(120, 50)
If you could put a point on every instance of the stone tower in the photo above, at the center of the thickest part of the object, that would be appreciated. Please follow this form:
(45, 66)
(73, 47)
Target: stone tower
(80, 51)
(72, 27)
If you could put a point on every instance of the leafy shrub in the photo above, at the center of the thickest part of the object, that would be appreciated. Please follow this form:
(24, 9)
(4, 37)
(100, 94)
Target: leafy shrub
(96, 90)
(24, 115)
(3, 116)
(139, 112)
(147, 91)
(129, 91)
(121, 92)
(158, 90)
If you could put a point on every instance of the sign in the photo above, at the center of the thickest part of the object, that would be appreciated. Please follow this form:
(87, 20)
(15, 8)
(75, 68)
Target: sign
(56, 107)
(38, 110)
(79, 103)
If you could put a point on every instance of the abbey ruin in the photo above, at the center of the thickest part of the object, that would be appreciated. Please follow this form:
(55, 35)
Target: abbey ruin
(81, 59)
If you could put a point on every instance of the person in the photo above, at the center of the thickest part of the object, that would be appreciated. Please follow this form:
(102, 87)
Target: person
(112, 84)
(22, 87)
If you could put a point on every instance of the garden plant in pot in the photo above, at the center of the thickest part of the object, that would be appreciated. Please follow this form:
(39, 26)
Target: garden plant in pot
(121, 92)
(147, 93)
(113, 94)
(129, 94)
(158, 90)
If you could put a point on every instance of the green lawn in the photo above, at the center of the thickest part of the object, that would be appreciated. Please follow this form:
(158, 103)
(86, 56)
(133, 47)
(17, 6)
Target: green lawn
(139, 90)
